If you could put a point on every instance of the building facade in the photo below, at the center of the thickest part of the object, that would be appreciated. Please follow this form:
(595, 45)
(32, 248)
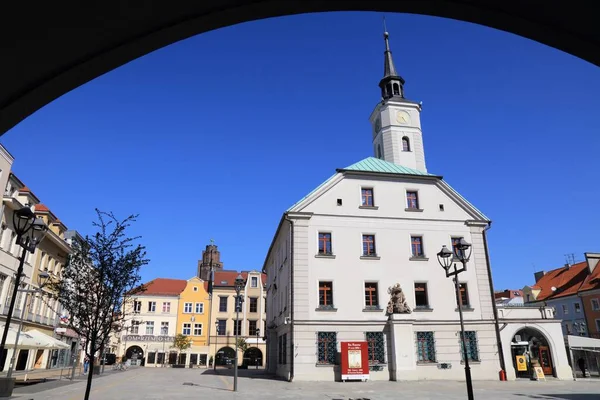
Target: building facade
(151, 324)
(251, 323)
(375, 224)
(193, 321)
(41, 311)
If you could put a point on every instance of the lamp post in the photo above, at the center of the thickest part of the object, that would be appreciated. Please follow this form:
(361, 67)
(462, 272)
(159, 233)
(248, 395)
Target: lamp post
(30, 231)
(447, 258)
(42, 280)
(239, 284)
(216, 337)
(257, 333)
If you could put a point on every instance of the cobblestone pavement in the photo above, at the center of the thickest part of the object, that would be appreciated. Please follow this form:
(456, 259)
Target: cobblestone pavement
(158, 383)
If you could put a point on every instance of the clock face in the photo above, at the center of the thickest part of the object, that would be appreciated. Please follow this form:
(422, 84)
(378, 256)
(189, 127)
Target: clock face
(403, 117)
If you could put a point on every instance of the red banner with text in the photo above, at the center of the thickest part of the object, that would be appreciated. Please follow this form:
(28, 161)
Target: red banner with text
(355, 360)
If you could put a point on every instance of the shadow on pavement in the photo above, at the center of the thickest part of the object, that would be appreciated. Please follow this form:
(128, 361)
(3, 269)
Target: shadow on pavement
(565, 396)
(244, 373)
(206, 386)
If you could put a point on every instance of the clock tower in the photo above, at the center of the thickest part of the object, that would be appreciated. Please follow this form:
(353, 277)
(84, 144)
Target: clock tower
(396, 121)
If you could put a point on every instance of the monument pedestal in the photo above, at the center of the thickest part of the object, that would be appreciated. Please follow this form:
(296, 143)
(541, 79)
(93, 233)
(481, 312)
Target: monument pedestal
(403, 366)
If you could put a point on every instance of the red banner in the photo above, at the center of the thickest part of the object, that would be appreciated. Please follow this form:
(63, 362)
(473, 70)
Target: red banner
(355, 360)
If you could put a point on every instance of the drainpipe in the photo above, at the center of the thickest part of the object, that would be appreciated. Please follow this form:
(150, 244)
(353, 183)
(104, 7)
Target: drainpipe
(494, 308)
(291, 274)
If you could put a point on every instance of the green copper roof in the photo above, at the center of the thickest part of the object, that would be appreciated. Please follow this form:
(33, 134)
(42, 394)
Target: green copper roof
(372, 164)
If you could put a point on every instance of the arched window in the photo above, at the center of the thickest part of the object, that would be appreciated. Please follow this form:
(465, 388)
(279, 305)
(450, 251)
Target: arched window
(396, 89)
(405, 144)
(379, 151)
(388, 89)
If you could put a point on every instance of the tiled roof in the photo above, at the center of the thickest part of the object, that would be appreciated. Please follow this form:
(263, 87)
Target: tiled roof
(372, 164)
(592, 281)
(25, 189)
(227, 278)
(164, 286)
(567, 280)
(41, 208)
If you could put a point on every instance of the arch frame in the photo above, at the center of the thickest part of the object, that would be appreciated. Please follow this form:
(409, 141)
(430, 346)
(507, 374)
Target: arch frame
(71, 46)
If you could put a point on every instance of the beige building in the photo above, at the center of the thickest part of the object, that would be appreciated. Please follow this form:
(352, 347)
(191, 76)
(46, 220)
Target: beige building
(151, 324)
(251, 325)
(42, 313)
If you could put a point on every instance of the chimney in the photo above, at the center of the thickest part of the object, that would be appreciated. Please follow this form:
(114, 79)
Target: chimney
(592, 260)
(538, 275)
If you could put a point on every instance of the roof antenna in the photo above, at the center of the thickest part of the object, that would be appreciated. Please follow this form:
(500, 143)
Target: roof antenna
(384, 26)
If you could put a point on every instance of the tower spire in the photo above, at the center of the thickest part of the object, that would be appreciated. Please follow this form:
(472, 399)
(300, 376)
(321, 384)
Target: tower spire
(392, 84)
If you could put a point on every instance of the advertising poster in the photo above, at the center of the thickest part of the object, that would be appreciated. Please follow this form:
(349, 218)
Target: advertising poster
(355, 360)
(521, 363)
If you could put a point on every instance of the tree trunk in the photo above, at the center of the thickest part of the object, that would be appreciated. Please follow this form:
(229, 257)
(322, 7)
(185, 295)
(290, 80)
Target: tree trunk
(88, 387)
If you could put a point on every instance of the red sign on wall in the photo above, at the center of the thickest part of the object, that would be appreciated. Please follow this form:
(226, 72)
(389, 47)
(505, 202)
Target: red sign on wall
(355, 360)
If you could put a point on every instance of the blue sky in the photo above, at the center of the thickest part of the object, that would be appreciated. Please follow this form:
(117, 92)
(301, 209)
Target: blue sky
(215, 136)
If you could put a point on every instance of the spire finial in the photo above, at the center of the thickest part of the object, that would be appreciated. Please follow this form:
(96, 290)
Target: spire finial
(386, 35)
(392, 84)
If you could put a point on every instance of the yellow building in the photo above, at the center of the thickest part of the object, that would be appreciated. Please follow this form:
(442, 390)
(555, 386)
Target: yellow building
(193, 321)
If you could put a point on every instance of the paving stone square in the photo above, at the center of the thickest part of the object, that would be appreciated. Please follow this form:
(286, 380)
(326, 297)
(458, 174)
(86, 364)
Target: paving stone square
(167, 383)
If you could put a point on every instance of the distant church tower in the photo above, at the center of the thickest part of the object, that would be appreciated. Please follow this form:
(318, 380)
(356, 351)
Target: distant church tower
(396, 121)
(211, 258)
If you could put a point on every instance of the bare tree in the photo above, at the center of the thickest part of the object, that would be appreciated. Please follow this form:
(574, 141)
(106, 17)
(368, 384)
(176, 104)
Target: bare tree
(101, 276)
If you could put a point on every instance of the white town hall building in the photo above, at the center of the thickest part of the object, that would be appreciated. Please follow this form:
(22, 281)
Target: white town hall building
(378, 223)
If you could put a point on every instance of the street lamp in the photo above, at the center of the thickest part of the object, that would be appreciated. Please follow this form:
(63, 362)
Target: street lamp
(257, 333)
(447, 258)
(239, 284)
(216, 337)
(42, 280)
(30, 231)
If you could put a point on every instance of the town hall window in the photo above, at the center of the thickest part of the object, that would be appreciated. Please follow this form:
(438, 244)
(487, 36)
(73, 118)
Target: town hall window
(416, 244)
(367, 197)
(425, 347)
(412, 200)
(325, 243)
(405, 144)
(326, 347)
(376, 347)
(455, 249)
(368, 242)
(325, 294)
(371, 295)
(464, 295)
(472, 350)
(187, 308)
(187, 329)
(421, 298)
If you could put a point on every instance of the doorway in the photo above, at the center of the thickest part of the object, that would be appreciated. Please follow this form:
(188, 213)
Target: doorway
(22, 360)
(545, 360)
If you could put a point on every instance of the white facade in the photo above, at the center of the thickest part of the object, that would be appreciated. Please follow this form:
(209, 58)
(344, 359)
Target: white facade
(372, 225)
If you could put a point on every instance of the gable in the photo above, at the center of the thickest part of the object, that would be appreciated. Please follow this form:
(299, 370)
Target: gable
(389, 193)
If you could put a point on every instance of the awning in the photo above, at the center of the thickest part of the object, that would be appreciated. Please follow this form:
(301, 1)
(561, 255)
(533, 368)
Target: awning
(33, 339)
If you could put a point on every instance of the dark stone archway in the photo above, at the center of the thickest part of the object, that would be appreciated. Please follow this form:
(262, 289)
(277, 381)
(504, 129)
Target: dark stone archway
(50, 48)
(225, 356)
(135, 353)
(533, 348)
(253, 357)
